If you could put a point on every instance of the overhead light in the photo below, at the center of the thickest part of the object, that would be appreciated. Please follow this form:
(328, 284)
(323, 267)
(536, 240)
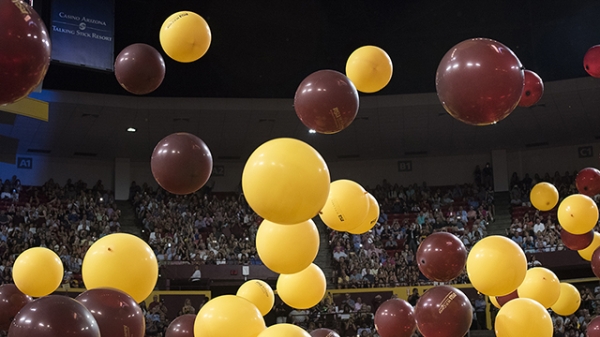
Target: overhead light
(312, 131)
(131, 130)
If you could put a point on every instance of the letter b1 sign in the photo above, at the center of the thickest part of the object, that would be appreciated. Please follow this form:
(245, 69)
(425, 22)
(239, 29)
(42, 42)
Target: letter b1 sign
(24, 162)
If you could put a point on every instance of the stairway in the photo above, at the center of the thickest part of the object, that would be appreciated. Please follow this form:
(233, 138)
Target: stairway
(324, 256)
(129, 222)
(481, 333)
(502, 217)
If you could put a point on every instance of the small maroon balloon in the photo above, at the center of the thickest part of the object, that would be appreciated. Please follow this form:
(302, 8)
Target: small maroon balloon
(593, 328)
(116, 312)
(596, 262)
(479, 81)
(591, 61)
(441, 257)
(24, 50)
(182, 326)
(181, 163)
(576, 241)
(588, 181)
(533, 89)
(502, 300)
(323, 332)
(443, 311)
(326, 101)
(140, 69)
(54, 316)
(395, 318)
(12, 300)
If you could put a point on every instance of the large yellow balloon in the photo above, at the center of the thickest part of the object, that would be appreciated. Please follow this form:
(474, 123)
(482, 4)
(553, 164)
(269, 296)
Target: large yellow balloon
(568, 301)
(286, 181)
(227, 316)
(285, 329)
(302, 290)
(371, 219)
(496, 266)
(258, 293)
(185, 36)
(523, 317)
(540, 285)
(287, 249)
(588, 252)
(369, 68)
(347, 206)
(578, 214)
(38, 272)
(121, 261)
(544, 196)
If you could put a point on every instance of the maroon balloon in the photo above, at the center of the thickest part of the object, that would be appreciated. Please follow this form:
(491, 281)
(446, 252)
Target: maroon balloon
(54, 316)
(479, 81)
(588, 181)
(116, 312)
(323, 332)
(140, 69)
(181, 163)
(443, 311)
(596, 262)
(576, 241)
(182, 326)
(441, 257)
(326, 101)
(24, 50)
(591, 61)
(395, 318)
(502, 300)
(593, 328)
(11, 301)
(533, 89)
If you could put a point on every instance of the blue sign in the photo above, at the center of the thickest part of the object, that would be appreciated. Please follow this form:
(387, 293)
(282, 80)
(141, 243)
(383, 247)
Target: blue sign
(24, 162)
(82, 33)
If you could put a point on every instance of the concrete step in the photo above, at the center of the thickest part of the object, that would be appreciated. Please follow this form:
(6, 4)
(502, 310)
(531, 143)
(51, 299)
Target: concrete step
(481, 333)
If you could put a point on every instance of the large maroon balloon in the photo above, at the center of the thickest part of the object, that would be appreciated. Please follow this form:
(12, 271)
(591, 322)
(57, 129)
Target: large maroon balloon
(533, 89)
(116, 312)
(576, 241)
(502, 300)
(11, 301)
(54, 316)
(593, 328)
(326, 101)
(24, 50)
(591, 61)
(395, 318)
(588, 181)
(479, 81)
(182, 326)
(140, 69)
(323, 332)
(441, 257)
(181, 163)
(443, 311)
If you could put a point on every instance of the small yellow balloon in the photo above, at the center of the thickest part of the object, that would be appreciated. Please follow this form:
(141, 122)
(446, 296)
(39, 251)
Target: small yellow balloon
(578, 214)
(568, 301)
(544, 196)
(369, 68)
(287, 249)
(523, 317)
(38, 272)
(121, 261)
(371, 219)
(588, 252)
(227, 316)
(302, 290)
(286, 181)
(258, 293)
(185, 36)
(347, 206)
(495, 302)
(284, 329)
(496, 266)
(540, 285)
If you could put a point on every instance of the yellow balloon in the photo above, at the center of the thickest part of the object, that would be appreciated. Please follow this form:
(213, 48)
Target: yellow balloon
(302, 290)
(540, 285)
(287, 249)
(284, 329)
(347, 206)
(371, 219)
(495, 302)
(121, 261)
(185, 36)
(38, 272)
(544, 196)
(578, 214)
(369, 68)
(588, 252)
(258, 293)
(496, 266)
(286, 181)
(523, 317)
(568, 301)
(227, 316)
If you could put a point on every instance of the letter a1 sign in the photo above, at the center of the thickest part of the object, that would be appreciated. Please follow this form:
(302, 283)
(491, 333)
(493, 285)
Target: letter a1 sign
(24, 162)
